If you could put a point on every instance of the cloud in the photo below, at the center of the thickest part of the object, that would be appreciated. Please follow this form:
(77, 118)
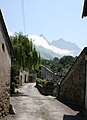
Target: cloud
(10, 33)
(40, 41)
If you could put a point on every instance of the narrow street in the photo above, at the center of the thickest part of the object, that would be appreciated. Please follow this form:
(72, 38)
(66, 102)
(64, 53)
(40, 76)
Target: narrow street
(31, 105)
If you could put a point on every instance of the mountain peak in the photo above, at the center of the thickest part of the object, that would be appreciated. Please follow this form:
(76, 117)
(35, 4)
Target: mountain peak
(61, 39)
(57, 48)
(41, 35)
(64, 44)
(39, 40)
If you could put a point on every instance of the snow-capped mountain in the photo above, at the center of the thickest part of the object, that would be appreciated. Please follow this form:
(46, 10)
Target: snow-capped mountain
(55, 48)
(62, 44)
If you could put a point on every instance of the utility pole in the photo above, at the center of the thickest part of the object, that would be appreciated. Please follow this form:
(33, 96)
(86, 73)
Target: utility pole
(23, 15)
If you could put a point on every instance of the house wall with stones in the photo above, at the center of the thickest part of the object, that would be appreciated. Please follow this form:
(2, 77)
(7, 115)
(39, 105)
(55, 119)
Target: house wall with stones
(73, 85)
(5, 69)
(45, 73)
(23, 77)
(32, 76)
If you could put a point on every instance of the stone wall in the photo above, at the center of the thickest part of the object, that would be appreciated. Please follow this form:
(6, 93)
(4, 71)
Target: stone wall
(46, 73)
(73, 85)
(23, 77)
(32, 76)
(5, 72)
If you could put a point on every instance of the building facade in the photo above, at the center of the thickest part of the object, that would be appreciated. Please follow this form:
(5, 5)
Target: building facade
(45, 73)
(5, 67)
(74, 86)
(23, 77)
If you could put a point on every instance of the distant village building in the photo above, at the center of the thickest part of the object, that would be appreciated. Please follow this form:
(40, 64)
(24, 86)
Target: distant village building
(6, 53)
(74, 86)
(23, 77)
(32, 76)
(58, 76)
(45, 73)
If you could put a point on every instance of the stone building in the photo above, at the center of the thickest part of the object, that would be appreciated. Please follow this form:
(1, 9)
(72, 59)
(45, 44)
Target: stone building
(45, 73)
(6, 53)
(74, 86)
(32, 76)
(23, 77)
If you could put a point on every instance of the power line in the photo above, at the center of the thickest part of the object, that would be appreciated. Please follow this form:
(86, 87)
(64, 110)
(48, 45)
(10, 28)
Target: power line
(23, 15)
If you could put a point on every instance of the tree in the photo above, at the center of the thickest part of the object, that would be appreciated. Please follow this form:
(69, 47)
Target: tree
(25, 54)
(35, 57)
(67, 61)
(59, 65)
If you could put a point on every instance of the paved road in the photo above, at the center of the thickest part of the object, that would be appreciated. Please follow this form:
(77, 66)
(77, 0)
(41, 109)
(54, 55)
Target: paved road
(31, 105)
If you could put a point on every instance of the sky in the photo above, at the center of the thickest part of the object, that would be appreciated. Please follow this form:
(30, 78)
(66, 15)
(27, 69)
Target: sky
(53, 18)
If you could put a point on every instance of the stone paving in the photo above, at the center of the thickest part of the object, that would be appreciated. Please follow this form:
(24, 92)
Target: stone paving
(31, 105)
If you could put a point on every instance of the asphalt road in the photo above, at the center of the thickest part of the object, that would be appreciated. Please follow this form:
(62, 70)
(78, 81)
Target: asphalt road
(31, 105)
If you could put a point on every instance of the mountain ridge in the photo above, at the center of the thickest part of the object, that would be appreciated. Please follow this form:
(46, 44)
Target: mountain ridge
(61, 42)
(57, 48)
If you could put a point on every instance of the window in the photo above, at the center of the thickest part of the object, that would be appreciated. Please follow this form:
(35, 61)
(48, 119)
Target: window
(39, 67)
(3, 47)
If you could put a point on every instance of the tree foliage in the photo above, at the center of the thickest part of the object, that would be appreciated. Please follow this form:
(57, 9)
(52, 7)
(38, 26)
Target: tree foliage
(25, 54)
(59, 65)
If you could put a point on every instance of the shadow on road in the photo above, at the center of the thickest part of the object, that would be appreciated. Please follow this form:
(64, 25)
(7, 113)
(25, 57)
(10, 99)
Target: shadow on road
(76, 117)
(75, 107)
(17, 94)
(71, 105)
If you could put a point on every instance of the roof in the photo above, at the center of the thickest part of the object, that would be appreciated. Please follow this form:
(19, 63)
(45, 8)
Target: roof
(6, 33)
(46, 68)
(84, 14)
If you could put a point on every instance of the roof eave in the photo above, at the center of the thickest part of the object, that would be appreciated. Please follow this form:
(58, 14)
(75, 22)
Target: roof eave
(6, 33)
(84, 14)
